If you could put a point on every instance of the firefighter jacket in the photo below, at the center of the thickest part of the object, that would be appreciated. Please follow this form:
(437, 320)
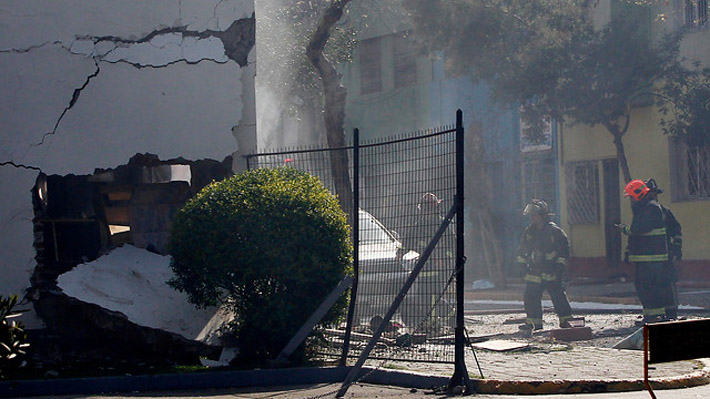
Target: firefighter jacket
(543, 252)
(647, 233)
(674, 233)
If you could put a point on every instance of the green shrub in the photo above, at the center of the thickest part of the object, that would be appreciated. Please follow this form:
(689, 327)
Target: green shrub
(12, 337)
(271, 244)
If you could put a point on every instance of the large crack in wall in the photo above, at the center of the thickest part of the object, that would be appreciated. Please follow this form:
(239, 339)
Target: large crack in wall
(158, 49)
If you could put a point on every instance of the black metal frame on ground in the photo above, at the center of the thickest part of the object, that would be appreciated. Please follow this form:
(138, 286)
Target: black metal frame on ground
(407, 292)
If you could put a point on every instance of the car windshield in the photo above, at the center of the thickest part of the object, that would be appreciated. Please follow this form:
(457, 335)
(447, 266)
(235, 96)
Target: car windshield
(372, 232)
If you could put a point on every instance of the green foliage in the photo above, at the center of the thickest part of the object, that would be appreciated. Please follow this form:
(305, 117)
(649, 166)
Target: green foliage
(686, 105)
(12, 337)
(271, 244)
(548, 56)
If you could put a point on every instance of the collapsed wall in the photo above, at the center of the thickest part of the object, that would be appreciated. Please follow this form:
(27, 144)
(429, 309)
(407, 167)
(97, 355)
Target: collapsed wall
(87, 85)
(99, 315)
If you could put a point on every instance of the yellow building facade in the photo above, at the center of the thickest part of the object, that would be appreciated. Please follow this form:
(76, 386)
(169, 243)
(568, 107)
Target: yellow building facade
(591, 184)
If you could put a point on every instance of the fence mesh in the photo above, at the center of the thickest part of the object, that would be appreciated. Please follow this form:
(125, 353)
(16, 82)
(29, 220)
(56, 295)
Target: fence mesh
(406, 186)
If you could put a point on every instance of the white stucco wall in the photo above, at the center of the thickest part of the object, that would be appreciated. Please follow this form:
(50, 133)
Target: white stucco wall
(87, 84)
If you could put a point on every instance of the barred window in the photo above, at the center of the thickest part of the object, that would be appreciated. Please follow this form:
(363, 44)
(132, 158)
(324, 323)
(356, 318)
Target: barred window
(370, 66)
(690, 170)
(582, 179)
(405, 60)
(696, 13)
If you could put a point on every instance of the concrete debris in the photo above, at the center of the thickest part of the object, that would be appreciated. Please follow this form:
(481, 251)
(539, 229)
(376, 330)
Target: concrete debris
(633, 341)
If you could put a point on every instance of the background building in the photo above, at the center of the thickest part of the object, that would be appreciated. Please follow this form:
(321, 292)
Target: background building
(394, 88)
(591, 186)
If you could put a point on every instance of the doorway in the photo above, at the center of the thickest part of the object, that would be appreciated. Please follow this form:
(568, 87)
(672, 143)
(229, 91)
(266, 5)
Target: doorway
(612, 212)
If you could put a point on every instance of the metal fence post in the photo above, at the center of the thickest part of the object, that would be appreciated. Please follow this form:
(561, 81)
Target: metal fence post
(460, 377)
(356, 244)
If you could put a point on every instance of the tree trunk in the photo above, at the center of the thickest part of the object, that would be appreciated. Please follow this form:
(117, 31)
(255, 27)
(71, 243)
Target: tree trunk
(334, 106)
(621, 156)
(620, 153)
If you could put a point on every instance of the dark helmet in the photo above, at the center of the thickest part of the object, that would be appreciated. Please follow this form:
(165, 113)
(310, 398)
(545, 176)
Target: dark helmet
(428, 201)
(537, 207)
(653, 186)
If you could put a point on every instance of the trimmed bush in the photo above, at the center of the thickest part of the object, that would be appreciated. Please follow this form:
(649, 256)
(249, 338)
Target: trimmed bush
(269, 243)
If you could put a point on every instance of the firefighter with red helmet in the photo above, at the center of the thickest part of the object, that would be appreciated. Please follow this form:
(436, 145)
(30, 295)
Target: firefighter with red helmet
(542, 256)
(648, 251)
(674, 239)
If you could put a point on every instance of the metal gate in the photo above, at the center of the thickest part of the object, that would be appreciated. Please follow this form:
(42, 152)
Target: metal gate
(405, 189)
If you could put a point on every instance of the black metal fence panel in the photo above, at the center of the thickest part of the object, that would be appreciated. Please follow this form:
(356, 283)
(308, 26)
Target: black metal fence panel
(406, 186)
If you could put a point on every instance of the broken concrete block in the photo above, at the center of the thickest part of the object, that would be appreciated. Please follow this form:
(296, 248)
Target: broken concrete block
(572, 334)
(633, 341)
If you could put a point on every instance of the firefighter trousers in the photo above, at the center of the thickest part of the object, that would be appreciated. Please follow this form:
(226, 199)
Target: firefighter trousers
(655, 288)
(535, 286)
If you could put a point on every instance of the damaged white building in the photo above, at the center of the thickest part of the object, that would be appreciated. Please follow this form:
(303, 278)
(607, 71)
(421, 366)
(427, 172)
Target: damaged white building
(113, 114)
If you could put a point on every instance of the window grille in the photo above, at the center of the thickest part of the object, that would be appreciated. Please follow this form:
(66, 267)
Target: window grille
(405, 57)
(370, 66)
(690, 168)
(696, 13)
(582, 179)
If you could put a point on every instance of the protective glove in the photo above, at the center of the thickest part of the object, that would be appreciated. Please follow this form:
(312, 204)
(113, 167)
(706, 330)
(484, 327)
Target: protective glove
(524, 269)
(675, 252)
(624, 228)
(561, 271)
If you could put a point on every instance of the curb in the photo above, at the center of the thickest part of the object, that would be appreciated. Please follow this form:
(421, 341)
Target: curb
(409, 379)
(304, 376)
(531, 387)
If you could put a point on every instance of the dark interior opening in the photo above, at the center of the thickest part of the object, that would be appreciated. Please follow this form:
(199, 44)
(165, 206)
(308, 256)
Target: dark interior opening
(78, 218)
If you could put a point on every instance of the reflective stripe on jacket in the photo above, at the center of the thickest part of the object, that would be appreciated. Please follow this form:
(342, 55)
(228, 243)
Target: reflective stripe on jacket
(543, 248)
(647, 233)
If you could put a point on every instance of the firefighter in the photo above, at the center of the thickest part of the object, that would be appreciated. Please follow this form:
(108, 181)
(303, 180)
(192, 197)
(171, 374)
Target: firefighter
(424, 308)
(542, 256)
(674, 240)
(429, 218)
(648, 251)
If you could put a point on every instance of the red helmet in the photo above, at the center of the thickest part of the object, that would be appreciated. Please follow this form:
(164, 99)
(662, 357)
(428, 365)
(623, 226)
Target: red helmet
(636, 189)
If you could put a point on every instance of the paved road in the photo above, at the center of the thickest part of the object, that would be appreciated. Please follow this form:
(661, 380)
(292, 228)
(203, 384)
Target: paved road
(383, 392)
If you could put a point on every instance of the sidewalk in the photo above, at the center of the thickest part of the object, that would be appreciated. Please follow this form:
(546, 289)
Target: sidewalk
(611, 310)
(546, 366)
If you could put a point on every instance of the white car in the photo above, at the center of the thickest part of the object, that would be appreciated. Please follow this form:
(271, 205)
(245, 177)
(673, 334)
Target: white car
(384, 266)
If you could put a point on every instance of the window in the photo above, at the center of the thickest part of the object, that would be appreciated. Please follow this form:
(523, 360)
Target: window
(696, 13)
(690, 171)
(405, 65)
(527, 145)
(582, 179)
(370, 66)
